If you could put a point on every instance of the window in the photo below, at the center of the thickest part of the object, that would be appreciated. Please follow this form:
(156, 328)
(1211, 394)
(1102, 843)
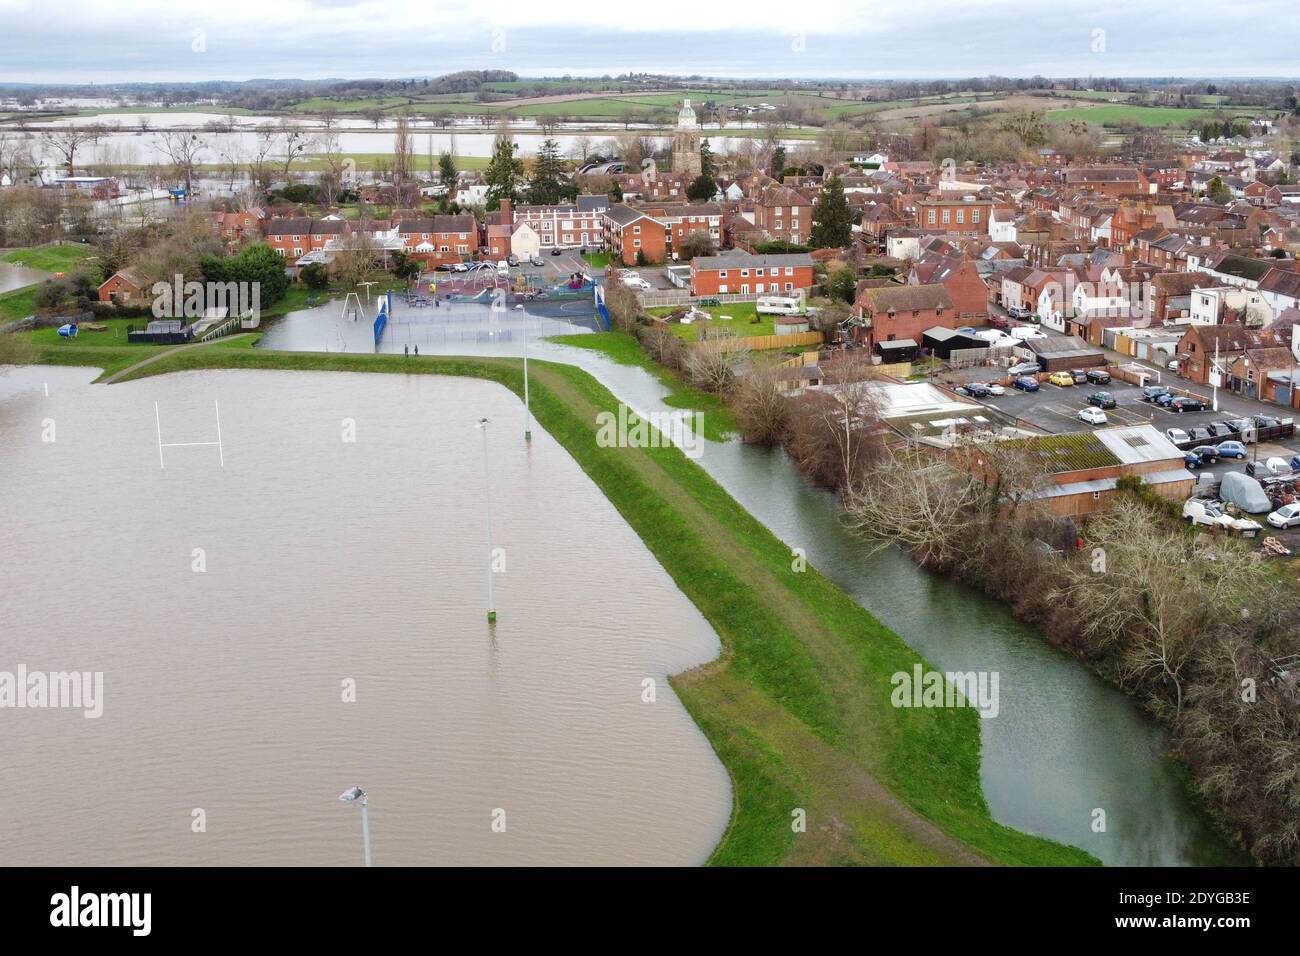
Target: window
(722, 289)
(758, 272)
(760, 288)
(637, 230)
(930, 217)
(744, 289)
(636, 244)
(789, 286)
(297, 251)
(947, 216)
(778, 224)
(722, 273)
(961, 215)
(744, 273)
(789, 270)
(975, 216)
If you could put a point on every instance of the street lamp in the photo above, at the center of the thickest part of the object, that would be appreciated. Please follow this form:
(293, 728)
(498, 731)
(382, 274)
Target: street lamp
(487, 515)
(353, 796)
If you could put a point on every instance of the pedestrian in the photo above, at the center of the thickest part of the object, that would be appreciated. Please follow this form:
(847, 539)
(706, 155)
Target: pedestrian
(407, 350)
(417, 351)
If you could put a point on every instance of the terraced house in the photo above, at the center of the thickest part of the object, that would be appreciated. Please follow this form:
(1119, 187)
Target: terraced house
(736, 273)
(437, 239)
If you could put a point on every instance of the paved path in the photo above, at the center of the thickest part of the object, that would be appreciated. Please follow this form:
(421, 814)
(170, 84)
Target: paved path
(118, 376)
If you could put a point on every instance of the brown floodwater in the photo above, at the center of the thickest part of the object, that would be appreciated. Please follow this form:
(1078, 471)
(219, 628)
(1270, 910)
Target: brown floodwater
(329, 561)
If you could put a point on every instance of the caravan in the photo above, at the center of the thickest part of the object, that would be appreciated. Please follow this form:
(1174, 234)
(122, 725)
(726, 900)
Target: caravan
(779, 305)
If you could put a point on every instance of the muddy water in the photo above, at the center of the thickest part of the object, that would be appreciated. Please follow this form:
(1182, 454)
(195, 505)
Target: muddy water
(324, 562)
(1068, 756)
(14, 276)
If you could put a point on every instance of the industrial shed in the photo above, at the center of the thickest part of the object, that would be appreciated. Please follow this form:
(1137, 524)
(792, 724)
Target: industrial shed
(1063, 352)
(943, 342)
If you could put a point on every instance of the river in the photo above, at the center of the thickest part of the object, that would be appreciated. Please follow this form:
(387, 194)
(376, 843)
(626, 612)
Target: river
(1065, 744)
(14, 276)
(233, 595)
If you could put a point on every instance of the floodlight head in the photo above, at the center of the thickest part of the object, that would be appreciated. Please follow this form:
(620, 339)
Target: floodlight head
(348, 796)
(482, 423)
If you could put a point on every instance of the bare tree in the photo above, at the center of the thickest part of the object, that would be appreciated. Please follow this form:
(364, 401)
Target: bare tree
(183, 149)
(913, 499)
(836, 429)
(15, 158)
(66, 141)
(1162, 592)
(295, 143)
(762, 406)
(403, 151)
(714, 369)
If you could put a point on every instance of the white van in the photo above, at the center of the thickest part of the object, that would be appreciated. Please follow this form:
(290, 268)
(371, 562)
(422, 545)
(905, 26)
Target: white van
(779, 305)
(503, 269)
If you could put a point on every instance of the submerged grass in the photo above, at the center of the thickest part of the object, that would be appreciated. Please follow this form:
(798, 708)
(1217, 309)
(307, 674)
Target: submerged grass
(797, 704)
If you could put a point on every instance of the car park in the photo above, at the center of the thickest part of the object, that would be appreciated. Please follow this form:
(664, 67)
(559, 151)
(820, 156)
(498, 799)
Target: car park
(1186, 404)
(1177, 436)
(1288, 516)
(1102, 400)
(1152, 392)
(1025, 384)
(1061, 379)
(1232, 449)
(1098, 376)
(1093, 416)
(1207, 453)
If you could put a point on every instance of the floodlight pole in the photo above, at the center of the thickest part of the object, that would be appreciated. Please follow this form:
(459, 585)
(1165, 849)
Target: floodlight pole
(487, 516)
(528, 408)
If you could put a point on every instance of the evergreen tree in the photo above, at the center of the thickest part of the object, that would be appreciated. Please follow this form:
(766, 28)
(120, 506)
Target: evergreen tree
(704, 187)
(447, 170)
(615, 191)
(832, 220)
(549, 182)
(778, 161)
(503, 172)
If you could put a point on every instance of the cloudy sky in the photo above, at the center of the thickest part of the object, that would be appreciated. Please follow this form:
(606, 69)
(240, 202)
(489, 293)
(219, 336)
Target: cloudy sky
(125, 40)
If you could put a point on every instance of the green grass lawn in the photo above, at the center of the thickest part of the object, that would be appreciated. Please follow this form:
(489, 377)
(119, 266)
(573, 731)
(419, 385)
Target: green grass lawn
(597, 260)
(18, 303)
(50, 258)
(797, 705)
(1117, 114)
(743, 321)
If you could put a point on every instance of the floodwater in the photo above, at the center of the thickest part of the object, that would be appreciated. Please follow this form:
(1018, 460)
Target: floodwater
(134, 138)
(14, 276)
(234, 594)
(1067, 754)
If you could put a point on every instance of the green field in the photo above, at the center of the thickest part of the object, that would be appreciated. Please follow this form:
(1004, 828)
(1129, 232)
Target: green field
(1119, 114)
(50, 258)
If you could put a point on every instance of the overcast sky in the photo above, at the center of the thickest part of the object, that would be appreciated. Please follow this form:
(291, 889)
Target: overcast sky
(126, 40)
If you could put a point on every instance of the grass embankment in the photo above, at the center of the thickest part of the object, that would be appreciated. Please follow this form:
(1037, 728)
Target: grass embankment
(50, 258)
(797, 705)
(719, 421)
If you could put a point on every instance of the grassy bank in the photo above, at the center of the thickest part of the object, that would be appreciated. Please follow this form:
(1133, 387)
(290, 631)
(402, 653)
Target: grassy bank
(797, 705)
(49, 258)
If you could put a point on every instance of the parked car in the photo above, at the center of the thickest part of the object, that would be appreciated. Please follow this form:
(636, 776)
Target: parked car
(1192, 461)
(556, 251)
(1165, 400)
(1209, 512)
(1024, 368)
(512, 259)
(1093, 416)
(1102, 400)
(1200, 433)
(536, 260)
(1079, 375)
(1269, 468)
(1019, 312)
(973, 389)
(999, 322)
(1220, 430)
(1152, 392)
(1061, 379)
(1098, 376)
(1172, 365)
(1232, 449)
(1177, 436)
(633, 281)
(1207, 453)
(1025, 383)
(460, 267)
(1288, 516)
(1185, 404)
(994, 388)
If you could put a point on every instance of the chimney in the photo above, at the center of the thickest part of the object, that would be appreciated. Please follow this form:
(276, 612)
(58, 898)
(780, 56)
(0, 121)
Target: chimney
(507, 215)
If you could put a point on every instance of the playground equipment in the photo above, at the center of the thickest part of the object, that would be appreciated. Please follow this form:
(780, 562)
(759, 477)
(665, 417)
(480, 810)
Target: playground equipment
(352, 306)
(68, 331)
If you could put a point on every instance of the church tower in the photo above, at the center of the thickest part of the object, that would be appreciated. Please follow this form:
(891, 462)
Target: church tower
(686, 143)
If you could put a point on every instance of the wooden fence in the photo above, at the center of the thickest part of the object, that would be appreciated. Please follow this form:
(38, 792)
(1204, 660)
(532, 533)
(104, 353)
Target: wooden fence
(759, 342)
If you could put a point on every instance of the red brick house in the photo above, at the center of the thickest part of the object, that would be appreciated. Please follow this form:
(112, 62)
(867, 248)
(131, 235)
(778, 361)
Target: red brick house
(438, 239)
(785, 214)
(895, 313)
(951, 212)
(739, 274)
(126, 287)
(628, 231)
(966, 287)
